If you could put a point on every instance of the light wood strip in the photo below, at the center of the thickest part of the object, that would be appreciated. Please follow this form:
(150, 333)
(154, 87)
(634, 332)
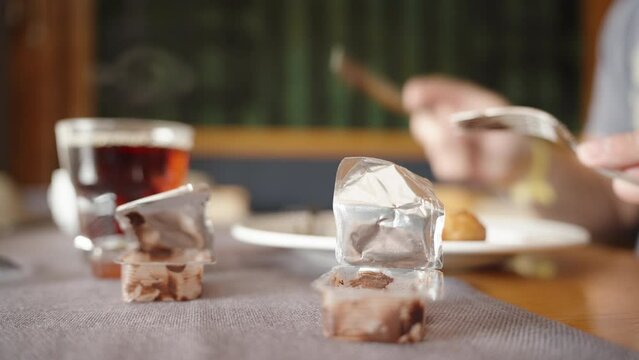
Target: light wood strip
(281, 142)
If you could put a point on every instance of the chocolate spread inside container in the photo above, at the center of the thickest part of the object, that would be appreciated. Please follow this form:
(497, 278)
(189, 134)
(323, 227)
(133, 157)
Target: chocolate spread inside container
(375, 318)
(162, 282)
(365, 280)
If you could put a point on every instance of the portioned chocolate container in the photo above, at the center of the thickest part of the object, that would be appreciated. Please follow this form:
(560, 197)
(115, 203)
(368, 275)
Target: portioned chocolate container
(372, 304)
(172, 276)
(175, 242)
(389, 227)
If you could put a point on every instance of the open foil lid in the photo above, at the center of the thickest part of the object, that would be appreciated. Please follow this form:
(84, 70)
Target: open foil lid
(386, 216)
(170, 220)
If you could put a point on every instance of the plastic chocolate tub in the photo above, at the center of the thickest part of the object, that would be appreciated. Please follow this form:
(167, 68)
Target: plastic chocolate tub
(373, 304)
(176, 277)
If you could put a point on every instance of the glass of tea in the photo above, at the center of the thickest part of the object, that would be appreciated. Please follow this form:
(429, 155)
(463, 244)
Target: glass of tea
(113, 161)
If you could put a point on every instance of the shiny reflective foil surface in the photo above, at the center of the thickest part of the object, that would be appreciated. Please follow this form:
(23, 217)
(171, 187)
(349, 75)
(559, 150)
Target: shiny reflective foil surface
(386, 216)
(174, 219)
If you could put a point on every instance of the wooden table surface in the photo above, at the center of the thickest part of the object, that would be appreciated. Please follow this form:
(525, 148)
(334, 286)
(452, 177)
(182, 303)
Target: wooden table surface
(595, 289)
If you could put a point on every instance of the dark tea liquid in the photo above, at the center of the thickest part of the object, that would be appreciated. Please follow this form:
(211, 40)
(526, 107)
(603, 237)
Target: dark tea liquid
(129, 172)
(107, 176)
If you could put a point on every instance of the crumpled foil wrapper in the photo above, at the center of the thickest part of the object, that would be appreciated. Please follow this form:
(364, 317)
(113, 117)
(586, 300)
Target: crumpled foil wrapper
(174, 219)
(386, 216)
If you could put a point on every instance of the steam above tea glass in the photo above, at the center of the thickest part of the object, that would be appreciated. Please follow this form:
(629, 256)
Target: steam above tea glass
(113, 161)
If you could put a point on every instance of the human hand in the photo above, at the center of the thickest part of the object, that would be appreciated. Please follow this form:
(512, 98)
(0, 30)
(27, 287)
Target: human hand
(618, 152)
(488, 157)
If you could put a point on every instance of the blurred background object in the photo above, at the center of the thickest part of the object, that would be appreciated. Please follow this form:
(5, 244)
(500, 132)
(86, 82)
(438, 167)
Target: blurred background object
(265, 62)
(228, 205)
(11, 211)
(61, 201)
(253, 77)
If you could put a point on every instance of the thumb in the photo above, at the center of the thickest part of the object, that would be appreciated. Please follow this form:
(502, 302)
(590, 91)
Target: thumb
(618, 151)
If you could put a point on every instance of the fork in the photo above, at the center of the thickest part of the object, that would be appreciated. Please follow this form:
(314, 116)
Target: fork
(530, 122)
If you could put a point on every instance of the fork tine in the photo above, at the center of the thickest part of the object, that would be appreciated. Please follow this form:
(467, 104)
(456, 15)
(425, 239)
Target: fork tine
(523, 120)
(531, 122)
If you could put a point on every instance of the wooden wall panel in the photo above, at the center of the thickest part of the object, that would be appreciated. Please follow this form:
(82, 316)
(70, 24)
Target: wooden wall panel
(50, 66)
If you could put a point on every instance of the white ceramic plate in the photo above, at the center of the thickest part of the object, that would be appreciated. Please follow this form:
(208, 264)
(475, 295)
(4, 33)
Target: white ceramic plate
(506, 236)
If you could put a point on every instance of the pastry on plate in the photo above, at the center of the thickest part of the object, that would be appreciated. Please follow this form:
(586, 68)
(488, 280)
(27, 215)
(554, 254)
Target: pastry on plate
(463, 226)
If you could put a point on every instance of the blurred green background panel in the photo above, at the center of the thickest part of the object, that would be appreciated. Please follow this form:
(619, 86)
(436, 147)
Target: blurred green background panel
(265, 62)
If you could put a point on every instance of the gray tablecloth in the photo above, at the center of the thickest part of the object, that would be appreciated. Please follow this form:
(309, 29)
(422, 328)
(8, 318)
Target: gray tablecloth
(257, 303)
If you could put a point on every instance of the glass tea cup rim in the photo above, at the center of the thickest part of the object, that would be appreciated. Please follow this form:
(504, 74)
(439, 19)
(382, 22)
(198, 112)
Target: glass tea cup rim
(106, 131)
